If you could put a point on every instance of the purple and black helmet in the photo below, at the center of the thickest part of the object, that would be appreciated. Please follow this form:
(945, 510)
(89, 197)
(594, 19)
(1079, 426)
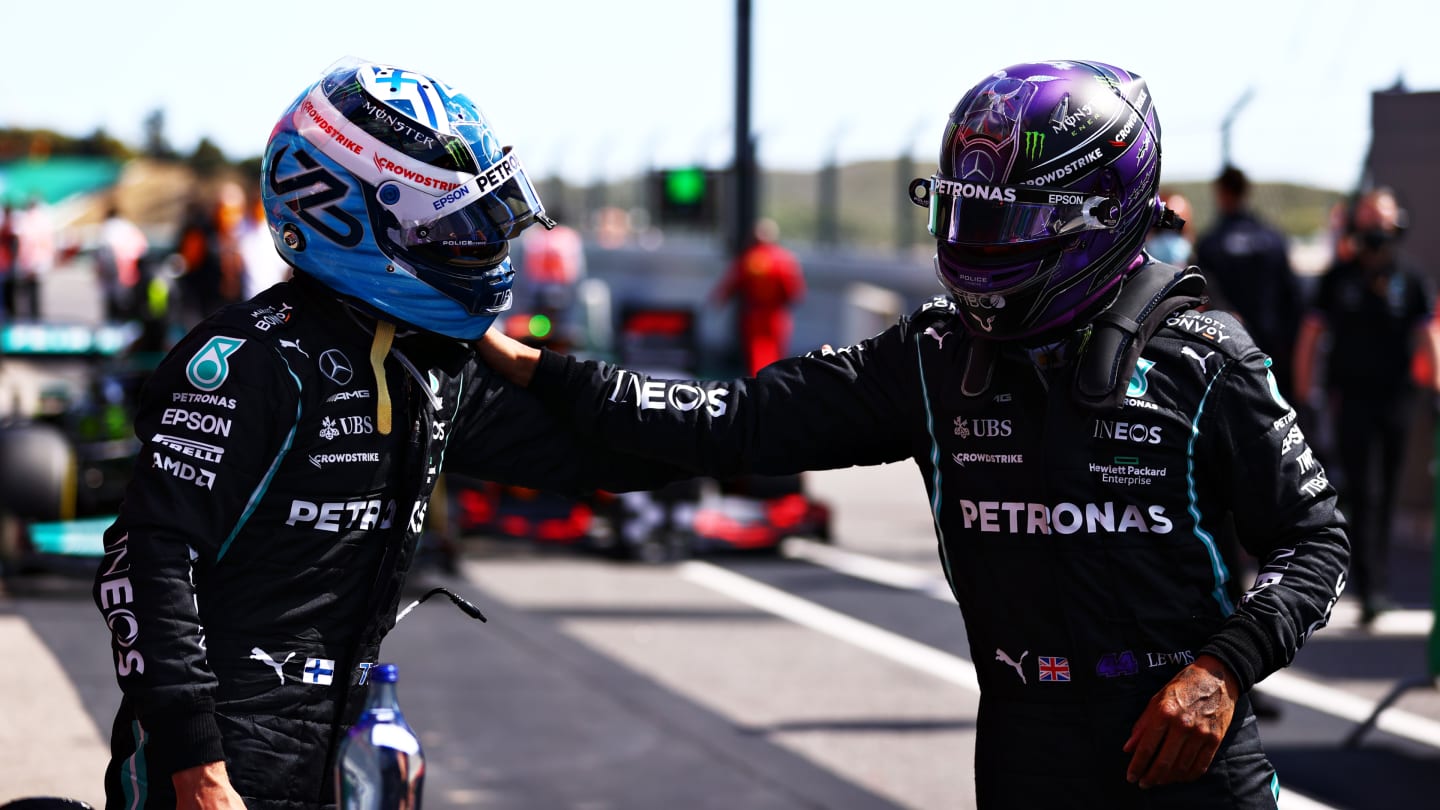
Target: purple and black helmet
(1048, 183)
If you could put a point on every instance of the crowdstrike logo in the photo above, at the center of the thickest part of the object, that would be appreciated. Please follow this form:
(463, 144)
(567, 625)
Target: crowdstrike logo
(1068, 169)
(387, 166)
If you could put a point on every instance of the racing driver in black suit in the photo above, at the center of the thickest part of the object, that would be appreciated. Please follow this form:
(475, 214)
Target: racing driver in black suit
(1087, 437)
(291, 444)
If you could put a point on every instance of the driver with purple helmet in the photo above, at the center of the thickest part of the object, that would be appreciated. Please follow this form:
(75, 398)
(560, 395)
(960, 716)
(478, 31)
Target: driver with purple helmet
(1087, 438)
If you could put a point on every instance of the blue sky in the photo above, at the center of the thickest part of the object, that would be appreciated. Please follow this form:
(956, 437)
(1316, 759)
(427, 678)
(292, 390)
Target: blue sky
(600, 88)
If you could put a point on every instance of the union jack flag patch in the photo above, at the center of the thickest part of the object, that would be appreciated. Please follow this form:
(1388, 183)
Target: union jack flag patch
(1054, 668)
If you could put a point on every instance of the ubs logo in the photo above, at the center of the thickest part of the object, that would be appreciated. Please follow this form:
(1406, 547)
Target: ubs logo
(346, 426)
(982, 428)
(336, 366)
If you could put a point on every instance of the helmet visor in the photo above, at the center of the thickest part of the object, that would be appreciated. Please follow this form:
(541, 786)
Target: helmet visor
(471, 188)
(494, 206)
(965, 213)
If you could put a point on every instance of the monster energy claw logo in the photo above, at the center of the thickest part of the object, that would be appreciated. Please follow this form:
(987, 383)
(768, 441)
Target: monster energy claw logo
(1034, 144)
(208, 369)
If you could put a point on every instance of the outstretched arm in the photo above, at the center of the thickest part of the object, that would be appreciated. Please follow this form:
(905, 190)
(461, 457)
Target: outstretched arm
(509, 357)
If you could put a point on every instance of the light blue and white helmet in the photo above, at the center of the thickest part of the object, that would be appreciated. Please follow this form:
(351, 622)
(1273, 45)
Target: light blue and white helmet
(390, 188)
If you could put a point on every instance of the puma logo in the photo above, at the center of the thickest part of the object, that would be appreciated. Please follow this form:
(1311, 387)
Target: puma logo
(939, 338)
(293, 344)
(1000, 655)
(257, 654)
(1194, 355)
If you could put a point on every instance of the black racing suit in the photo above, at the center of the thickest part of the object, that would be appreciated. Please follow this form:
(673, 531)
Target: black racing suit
(1081, 546)
(259, 555)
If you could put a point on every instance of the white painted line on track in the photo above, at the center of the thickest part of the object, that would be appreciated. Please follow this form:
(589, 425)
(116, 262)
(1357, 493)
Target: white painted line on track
(1339, 703)
(897, 648)
(1284, 684)
(1345, 616)
(871, 569)
(884, 643)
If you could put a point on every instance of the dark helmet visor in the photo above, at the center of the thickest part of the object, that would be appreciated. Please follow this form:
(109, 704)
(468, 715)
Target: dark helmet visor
(965, 213)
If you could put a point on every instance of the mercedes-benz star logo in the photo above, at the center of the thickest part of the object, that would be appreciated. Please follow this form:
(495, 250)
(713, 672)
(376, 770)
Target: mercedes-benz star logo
(977, 166)
(335, 365)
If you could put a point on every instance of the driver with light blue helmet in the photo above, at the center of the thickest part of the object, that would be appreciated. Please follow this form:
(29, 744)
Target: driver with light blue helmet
(291, 444)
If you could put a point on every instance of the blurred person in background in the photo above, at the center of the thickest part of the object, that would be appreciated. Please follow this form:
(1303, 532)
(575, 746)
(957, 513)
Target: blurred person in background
(35, 255)
(553, 260)
(765, 281)
(263, 267)
(291, 445)
(118, 251)
(9, 246)
(1171, 245)
(1355, 350)
(1078, 426)
(213, 268)
(1247, 263)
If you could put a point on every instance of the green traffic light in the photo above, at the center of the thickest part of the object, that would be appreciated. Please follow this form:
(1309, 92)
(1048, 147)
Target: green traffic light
(539, 326)
(685, 186)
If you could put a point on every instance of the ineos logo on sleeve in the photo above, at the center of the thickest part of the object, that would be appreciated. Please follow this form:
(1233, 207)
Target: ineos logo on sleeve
(335, 365)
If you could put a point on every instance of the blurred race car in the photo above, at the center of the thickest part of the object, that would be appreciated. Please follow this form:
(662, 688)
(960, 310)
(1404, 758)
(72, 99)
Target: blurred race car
(67, 441)
(687, 518)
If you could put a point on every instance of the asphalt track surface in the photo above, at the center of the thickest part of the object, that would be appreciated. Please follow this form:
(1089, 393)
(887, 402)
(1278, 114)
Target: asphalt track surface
(828, 677)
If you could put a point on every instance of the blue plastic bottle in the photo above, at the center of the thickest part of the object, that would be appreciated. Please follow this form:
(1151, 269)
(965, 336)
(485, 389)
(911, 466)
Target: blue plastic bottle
(381, 766)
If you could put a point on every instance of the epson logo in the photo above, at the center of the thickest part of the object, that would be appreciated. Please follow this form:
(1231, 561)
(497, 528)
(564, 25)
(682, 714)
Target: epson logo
(462, 191)
(1127, 431)
(654, 395)
(197, 421)
(336, 516)
(1067, 199)
(1019, 517)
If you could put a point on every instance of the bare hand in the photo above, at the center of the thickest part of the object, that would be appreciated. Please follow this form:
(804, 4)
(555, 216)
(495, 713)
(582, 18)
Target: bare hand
(510, 358)
(205, 787)
(1178, 734)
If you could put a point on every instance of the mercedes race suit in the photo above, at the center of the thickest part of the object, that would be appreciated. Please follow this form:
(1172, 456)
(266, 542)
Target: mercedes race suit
(258, 558)
(1083, 546)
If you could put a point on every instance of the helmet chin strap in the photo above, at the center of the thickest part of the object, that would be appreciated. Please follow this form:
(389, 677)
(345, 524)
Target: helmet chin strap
(1119, 333)
(379, 348)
